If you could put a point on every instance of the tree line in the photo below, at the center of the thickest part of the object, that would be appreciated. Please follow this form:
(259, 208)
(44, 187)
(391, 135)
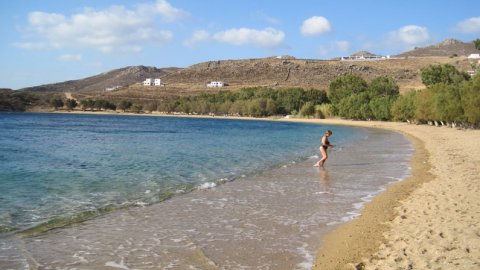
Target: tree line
(251, 101)
(450, 97)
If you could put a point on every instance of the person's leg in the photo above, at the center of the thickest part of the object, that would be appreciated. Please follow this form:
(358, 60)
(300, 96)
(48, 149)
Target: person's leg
(324, 156)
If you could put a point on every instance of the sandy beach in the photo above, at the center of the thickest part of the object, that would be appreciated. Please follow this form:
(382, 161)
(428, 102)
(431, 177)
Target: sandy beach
(428, 221)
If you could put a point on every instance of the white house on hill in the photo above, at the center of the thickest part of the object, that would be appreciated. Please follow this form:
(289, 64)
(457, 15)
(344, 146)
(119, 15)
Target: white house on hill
(216, 84)
(152, 82)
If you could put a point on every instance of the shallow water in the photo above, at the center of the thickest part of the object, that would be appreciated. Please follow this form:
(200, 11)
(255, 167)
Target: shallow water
(271, 217)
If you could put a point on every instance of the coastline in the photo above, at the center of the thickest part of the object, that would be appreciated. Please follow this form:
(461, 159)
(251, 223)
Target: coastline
(427, 221)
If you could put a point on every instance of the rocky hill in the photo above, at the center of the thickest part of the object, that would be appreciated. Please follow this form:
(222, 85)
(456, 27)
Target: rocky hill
(447, 48)
(272, 72)
(300, 72)
(122, 77)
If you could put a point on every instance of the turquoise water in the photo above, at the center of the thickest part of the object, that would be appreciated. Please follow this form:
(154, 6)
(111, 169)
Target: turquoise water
(55, 165)
(162, 192)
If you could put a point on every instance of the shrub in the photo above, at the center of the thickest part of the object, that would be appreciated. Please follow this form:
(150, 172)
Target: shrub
(403, 109)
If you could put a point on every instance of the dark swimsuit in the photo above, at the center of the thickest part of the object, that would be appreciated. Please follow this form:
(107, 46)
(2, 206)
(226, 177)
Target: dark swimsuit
(325, 146)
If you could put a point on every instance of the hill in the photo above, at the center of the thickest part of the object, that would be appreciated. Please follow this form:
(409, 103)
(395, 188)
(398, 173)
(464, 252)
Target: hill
(275, 72)
(448, 47)
(123, 77)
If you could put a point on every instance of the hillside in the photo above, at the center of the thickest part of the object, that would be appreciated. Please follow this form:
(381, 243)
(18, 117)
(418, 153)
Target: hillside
(300, 72)
(448, 47)
(118, 77)
(276, 72)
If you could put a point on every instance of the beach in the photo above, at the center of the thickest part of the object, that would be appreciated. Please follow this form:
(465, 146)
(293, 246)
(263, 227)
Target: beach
(428, 221)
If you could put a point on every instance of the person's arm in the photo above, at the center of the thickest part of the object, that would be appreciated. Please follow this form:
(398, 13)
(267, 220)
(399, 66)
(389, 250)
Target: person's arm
(324, 142)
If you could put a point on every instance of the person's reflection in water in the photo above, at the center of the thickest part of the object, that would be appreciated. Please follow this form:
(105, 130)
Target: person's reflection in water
(324, 180)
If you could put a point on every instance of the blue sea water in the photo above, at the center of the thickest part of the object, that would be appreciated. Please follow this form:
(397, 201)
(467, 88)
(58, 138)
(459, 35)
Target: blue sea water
(56, 165)
(268, 209)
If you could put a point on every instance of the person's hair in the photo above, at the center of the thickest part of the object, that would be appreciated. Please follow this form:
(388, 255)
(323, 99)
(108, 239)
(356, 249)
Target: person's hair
(329, 131)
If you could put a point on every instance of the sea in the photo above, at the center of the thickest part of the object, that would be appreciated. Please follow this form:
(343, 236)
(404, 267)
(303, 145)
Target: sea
(87, 191)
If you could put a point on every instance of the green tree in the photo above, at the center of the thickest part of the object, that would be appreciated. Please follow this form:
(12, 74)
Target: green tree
(316, 96)
(424, 110)
(100, 104)
(447, 74)
(355, 106)
(447, 103)
(257, 107)
(344, 86)
(271, 107)
(290, 99)
(383, 86)
(71, 104)
(167, 106)
(137, 108)
(124, 105)
(471, 100)
(403, 109)
(87, 104)
(151, 106)
(477, 43)
(239, 107)
(323, 111)
(380, 107)
(308, 109)
(56, 103)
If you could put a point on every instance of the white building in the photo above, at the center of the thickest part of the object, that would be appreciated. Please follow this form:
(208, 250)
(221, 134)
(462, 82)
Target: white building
(150, 82)
(474, 56)
(216, 84)
(113, 88)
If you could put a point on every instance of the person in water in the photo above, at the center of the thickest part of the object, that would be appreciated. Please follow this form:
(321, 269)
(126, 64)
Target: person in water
(323, 148)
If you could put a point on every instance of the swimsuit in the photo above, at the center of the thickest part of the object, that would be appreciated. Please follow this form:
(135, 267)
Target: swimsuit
(326, 144)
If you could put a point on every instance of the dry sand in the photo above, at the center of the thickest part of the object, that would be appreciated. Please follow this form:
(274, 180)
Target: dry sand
(429, 221)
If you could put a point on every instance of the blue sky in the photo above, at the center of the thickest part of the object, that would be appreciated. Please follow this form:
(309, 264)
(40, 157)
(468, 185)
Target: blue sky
(53, 41)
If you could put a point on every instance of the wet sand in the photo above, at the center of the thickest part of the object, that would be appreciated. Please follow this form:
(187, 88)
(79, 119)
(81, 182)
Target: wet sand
(429, 221)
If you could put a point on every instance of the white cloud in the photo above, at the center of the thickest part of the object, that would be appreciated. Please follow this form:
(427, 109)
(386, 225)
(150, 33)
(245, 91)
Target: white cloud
(113, 29)
(266, 38)
(315, 25)
(197, 37)
(469, 26)
(70, 57)
(408, 36)
(167, 11)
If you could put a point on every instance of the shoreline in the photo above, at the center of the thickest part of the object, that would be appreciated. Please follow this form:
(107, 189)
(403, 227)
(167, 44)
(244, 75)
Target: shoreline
(427, 221)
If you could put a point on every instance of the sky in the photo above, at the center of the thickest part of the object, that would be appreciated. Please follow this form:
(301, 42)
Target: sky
(54, 41)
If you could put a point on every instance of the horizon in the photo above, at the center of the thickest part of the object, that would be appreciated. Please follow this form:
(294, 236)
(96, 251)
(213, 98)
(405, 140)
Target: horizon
(46, 42)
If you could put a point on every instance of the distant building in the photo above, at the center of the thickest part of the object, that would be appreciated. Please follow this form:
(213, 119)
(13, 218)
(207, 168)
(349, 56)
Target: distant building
(113, 88)
(152, 82)
(147, 82)
(474, 56)
(216, 84)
